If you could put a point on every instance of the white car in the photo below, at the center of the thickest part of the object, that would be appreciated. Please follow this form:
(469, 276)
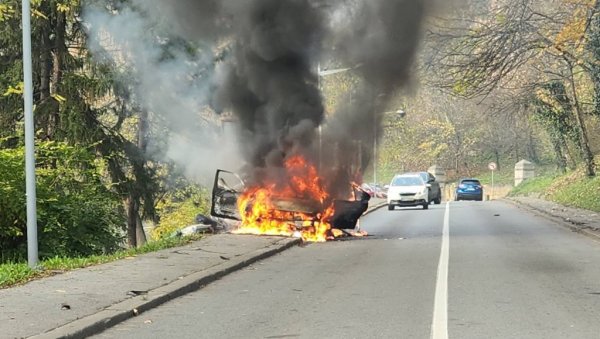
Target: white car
(408, 190)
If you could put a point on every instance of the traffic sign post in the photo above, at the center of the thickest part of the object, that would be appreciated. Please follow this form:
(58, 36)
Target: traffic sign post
(492, 166)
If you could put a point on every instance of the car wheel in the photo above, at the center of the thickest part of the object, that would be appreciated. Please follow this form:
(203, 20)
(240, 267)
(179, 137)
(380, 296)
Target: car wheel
(426, 206)
(391, 207)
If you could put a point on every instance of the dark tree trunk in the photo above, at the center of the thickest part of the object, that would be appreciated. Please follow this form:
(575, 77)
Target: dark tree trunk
(45, 74)
(142, 144)
(132, 207)
(139, 232)
(561, 160)
(58, 56)
(588, 157)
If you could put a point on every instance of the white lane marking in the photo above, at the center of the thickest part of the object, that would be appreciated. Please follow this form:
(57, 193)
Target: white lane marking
(439, 325)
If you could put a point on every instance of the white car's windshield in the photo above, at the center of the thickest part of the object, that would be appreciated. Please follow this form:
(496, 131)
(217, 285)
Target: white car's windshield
(407, 181)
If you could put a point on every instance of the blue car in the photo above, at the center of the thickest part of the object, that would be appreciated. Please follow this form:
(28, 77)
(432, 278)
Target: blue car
(469, 189)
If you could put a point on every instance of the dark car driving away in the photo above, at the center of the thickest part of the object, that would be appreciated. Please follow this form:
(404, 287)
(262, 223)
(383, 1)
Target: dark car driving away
(435, 192)
(469, 189)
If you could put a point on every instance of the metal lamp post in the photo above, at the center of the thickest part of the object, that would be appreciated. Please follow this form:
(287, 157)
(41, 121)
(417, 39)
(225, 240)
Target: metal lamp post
(32, 238)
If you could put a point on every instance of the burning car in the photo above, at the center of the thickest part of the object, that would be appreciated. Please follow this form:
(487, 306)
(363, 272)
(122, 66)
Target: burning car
(299, 207)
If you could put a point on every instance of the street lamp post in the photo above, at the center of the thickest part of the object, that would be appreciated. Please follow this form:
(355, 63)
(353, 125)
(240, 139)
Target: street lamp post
(32, 238)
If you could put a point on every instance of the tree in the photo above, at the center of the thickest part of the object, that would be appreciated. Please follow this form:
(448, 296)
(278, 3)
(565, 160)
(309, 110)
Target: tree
(593, 47)
(76, 100)
(521, 44)
(77, 214)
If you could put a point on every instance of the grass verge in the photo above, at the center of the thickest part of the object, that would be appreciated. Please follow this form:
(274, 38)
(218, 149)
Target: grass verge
(14, 273)
(583, 193)
(573, 189)
(536, 186)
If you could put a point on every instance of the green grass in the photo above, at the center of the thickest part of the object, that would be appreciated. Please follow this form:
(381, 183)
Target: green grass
(14, 273)
(573, 189)
(583, 193)
(537, 186)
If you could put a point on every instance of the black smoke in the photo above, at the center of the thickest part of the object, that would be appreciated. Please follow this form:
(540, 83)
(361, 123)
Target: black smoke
(267, 71)
(270, 83)
(378, 38)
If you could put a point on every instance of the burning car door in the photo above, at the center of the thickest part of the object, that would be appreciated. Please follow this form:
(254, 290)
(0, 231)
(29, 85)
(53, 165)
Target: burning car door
(347, 212)
(227, 187)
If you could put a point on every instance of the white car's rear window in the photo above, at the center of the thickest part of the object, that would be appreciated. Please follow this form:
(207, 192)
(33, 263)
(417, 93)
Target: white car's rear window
(407, 181)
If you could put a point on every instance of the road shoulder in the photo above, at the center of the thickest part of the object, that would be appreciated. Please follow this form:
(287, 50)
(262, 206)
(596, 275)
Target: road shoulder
(576, 219)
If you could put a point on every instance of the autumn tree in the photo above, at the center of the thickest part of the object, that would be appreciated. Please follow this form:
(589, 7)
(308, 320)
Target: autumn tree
(521, 44)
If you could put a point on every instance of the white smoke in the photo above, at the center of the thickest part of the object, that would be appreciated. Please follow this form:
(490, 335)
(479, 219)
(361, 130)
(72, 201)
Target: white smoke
(170, 81)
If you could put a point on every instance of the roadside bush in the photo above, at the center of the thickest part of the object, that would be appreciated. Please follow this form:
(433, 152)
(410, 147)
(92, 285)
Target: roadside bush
(77, 214)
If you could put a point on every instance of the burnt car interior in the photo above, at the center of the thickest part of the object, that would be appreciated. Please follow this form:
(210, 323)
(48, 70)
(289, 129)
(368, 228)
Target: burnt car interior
(228, 186)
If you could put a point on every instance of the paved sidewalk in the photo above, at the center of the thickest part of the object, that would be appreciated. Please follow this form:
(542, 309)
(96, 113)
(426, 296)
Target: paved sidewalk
(86, 301)
(116, 289)
(578, 220)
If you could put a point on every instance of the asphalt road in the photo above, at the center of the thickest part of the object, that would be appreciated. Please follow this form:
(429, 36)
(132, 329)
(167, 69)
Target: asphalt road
(499, 273)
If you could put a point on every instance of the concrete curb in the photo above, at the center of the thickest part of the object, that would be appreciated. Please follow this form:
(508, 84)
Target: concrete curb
(375, 208)
(556, 219)
(135, 306)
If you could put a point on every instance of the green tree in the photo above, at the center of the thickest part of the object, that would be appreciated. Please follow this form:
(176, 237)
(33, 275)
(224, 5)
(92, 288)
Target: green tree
(76, 101)
(76, 212)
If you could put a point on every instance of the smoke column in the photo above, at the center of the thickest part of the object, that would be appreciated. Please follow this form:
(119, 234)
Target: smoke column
(266, 71)
(270, 83)
(378, 38)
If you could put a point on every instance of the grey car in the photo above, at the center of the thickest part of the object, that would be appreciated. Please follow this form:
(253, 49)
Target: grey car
(435, 193)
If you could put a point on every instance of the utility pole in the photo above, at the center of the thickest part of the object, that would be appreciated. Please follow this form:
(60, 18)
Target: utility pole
(32, 238)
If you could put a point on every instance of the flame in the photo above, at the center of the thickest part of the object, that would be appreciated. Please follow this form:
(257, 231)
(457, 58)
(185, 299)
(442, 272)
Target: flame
(263, 209)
